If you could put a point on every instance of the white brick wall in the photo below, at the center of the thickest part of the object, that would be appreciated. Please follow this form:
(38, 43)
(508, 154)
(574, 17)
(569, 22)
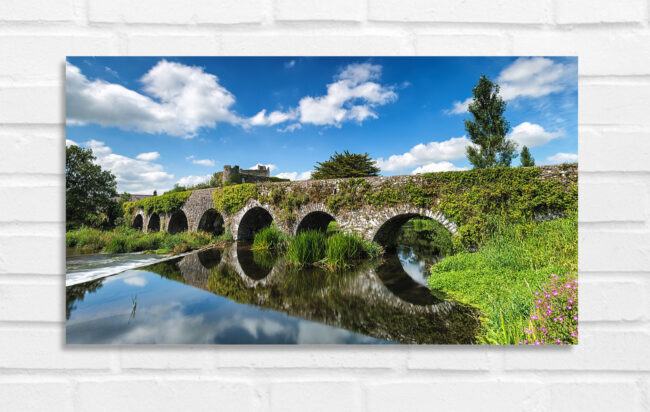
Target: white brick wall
(609, 370)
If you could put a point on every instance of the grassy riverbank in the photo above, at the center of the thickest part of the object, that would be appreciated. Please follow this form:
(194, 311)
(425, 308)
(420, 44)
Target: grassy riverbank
(122, 240)
(334, 250)
(502, 276)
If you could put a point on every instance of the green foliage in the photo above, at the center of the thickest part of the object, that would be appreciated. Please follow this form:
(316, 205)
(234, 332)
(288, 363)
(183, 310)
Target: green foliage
(342, 249)
(526, 159)
(306, 247)
(122, 240)
(346, 164)
(501, 276)
(278, 179)
(488, 128)
(270, 238)
(167, 203)
(230, 199)
(88, 189)
(427, 236)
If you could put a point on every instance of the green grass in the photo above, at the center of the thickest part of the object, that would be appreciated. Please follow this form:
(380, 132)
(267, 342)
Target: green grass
(270, 238)
(122, 240)
(500, 278)
(306, 247)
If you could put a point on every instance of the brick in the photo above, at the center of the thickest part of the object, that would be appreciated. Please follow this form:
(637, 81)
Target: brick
(613, 201)
(472, 11)
(420, 395)
(307, 44)
(45, 103)
(17, 255)
(611, 300)
(165, 357)
(598, 350)
(201, 11)
(37, 10)
(45, 349)
(48, 64)
(172, 45)
(449, 358)
(614, 151)
(32, 149)
(599, 52)
(594, 396)
(613, 103)
(27, 204)
(315, 396)
(599, 11)
(613, 251)
(165, 395)
(36, 396)
(338, 10)
(17, 302)
(461, 44)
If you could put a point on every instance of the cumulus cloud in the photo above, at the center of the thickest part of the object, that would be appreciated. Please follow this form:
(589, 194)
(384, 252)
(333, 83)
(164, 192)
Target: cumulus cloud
(295, 175)
(132, 175)
(149, 156)
(531, 134)
(528, 77)
(423, 154)
(202, 162)
(290, 128)
(183, 100)
(437, 167)
(271, 167)
(273, 118)
(69, 142)
(353, 96)
(194, 180)
(559, 158)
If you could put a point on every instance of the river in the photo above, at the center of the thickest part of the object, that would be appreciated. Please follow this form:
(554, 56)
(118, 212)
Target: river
(240, 296)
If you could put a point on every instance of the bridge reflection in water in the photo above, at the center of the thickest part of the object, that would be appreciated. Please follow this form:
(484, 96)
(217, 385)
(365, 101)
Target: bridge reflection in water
(377, 299)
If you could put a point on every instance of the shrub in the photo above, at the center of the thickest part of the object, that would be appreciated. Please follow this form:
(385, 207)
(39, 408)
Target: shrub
(306, 247)
(230, 199)
(554, 320)
(342, 249)
(270, 238)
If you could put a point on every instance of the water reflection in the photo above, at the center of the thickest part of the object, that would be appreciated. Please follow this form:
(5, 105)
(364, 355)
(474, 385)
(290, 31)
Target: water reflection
(240, 296)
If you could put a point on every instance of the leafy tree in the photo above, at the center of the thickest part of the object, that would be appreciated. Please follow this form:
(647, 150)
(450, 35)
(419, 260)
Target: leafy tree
(489, 128)
(88, 188)
(346, 164)
(155, 193)
(526, 159)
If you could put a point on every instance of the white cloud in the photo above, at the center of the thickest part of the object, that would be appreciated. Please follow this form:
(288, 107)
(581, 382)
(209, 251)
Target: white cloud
(562, 158)
(136, 281)
(132, 175)
(437, 167)
(422, 154)
(111, 71)
(295, 175)
(271, 167)
(353, 96)
(187, 99)
(149, 156)
(69, 142)
(202, 162)
(290, 128)
(290, 64)
(532, 135)
(460, 107)
(275, 117)
(534, 77)
(194, 180)
(528, 77)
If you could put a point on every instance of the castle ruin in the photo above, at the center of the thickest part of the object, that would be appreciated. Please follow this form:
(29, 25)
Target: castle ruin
(259, 174)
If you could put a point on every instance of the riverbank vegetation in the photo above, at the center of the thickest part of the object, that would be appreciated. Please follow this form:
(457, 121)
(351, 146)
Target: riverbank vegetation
(122, 240)
(333, 250)
(507, 275)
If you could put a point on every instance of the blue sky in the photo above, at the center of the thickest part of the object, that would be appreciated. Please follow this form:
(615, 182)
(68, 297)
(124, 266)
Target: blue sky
(157, 121)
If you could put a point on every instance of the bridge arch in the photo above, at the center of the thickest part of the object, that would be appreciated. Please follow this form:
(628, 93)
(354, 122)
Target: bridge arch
(313, 217)
(212, 222)
(253, 217)
(177, 222)
(138, 221)
(154, 223)
(385, 232)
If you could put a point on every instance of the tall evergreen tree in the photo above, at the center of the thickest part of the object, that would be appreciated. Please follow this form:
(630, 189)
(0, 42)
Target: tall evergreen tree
(526, 159)
(488, 128)
(346, 164)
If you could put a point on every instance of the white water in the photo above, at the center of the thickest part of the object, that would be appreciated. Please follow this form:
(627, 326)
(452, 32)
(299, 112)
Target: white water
(83, 268)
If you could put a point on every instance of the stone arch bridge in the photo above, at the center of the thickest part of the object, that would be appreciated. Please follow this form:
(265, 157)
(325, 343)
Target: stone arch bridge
(373, 222)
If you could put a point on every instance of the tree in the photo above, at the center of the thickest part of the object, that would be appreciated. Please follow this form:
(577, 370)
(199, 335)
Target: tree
(155, 193)
(489, 128)
(526, 159)
(346, 164)
(88, 188)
